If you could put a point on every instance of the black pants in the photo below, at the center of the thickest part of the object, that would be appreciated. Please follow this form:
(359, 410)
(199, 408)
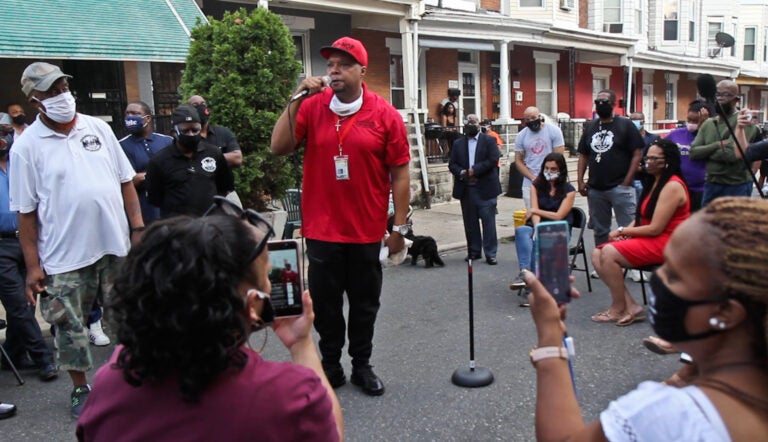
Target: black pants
(23, 334)
(335, 268)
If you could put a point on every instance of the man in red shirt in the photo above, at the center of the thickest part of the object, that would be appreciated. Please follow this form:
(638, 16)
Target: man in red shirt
(356, 150)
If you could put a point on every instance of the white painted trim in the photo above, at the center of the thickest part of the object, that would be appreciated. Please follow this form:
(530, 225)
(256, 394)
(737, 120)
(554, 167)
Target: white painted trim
(544, 56)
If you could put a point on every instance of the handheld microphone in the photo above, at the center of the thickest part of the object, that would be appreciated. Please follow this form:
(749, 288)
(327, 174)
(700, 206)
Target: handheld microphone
(305, 92)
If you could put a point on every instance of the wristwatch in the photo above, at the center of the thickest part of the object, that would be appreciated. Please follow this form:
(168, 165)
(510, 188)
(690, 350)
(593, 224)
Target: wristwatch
(620, 229)
(402, 230)
(538, 354)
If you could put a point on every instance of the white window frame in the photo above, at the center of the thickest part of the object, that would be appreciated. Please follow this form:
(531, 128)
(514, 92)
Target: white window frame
(670, 96)
(601, 74)
(664, 21)
(692, 21)
(608, 24)
(540, 5)
(301, 27)
(711, 43)
(549, 58)
(747, 43)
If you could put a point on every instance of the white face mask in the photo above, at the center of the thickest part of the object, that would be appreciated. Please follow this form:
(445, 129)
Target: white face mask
(692, 127)
(551, 175)
(60, 108)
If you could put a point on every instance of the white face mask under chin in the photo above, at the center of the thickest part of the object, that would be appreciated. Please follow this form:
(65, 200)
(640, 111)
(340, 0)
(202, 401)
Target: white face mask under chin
(60, 108)
(345, 109)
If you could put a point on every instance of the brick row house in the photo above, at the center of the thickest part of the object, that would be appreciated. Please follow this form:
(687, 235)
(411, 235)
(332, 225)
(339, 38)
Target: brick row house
(503, 55)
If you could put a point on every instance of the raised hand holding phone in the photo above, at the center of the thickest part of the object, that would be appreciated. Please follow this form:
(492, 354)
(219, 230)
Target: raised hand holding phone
(286, 277)
(552, 264)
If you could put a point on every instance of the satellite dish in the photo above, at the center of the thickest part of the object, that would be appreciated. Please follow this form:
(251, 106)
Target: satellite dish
(724, 40)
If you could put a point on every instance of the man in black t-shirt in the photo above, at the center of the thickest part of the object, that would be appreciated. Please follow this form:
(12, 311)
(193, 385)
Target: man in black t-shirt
(611, 147)
(183, 178)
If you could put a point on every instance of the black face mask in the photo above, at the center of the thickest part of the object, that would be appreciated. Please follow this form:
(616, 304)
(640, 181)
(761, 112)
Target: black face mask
(19, 119)
(667, 313)
(726, 108)
(189, 142)
(203, 112)
(470, 130)
(534, 125)
(604, 110)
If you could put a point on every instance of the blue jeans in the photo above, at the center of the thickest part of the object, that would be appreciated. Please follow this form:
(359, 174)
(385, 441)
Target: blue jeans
(715, 190)
(524, 245)
(620, 199)
(638, 190)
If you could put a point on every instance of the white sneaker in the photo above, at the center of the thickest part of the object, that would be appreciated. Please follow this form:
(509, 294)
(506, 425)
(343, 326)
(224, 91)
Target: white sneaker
(594, 275)
(634, 275)
(96, 335)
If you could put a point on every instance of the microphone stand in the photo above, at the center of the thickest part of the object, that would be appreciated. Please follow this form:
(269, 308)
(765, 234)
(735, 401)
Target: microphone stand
(741, 150)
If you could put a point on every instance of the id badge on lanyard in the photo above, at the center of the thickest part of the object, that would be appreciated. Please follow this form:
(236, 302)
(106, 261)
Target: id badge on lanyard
(341, 161)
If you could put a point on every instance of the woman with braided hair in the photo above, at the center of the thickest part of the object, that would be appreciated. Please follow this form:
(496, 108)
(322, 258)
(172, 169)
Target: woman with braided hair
(186, 301)
(710, 299)
(665, 204)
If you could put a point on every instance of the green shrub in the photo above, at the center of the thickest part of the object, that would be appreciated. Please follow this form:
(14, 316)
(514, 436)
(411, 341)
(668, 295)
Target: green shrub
(245, 67)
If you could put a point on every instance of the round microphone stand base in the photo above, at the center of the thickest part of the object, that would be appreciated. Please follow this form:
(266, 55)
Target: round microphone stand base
(472, 377)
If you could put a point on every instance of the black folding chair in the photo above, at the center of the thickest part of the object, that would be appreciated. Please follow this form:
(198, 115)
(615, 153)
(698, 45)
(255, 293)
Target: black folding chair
(650, 268)
(7, 358)
(292, 204)
(580, 223)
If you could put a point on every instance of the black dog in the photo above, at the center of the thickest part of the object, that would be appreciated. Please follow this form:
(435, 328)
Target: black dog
(424, 246)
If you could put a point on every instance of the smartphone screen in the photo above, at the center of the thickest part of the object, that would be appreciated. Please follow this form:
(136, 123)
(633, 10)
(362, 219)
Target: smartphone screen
(286, 277)
(552, 266)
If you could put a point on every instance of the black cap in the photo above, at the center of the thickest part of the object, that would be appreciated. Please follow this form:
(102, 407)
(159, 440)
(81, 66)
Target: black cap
(185, 114)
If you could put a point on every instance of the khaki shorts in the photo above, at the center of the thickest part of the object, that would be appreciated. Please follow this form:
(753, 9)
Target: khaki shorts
(70, 300)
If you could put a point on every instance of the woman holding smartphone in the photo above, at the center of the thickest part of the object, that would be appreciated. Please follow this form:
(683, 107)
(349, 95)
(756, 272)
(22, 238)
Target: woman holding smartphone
(665, 204)
(711, 301)
(552, 198)
(186, 302)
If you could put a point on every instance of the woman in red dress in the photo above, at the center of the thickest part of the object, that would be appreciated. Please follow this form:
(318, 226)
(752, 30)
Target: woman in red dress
(665, 204)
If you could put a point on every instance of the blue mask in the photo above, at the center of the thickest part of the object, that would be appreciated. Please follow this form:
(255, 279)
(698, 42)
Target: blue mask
(134, 123)
(638, 124)
(5, 144)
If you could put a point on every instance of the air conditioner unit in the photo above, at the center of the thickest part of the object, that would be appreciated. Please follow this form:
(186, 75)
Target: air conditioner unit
(613, 28)
(566, 4)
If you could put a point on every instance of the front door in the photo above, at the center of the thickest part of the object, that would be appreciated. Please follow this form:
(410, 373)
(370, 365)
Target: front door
(99, 87)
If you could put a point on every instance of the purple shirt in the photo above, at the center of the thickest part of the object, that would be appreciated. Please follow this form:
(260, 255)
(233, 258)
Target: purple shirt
(265, 401)
(694, 172)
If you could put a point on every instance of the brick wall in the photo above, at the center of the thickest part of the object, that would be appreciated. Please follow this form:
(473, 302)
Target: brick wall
(490, 5)
(377, 75)
(443, 65)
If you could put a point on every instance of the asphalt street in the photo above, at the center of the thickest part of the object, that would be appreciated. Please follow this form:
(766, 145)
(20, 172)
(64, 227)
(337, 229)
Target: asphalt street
(421, 338)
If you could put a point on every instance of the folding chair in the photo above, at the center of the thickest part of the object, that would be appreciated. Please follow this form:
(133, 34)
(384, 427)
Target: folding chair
(650, 268)
(292, 204)
(579, 222)
(7, 358)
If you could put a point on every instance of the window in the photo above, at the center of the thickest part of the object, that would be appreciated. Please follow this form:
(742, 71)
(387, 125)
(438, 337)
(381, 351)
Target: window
(531, 3)
(639, 16)
(671, 18)
(545, 92)
(750, 38)
(713, 28)
(612, 16)
(670, 96)
(734, 33)
(396, 81)
(300, 41)
(691, 20)
(765, 44)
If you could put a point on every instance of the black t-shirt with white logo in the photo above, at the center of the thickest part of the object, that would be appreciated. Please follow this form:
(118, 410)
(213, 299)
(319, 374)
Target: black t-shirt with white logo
(610, 147)
(179, 185)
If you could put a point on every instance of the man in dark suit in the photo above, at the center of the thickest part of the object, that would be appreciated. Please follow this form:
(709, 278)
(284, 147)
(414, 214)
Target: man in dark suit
(474, 165)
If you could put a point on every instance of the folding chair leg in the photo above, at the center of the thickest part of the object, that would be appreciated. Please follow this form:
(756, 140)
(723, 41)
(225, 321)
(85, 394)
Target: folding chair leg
(586, 272)
(13, 367)
(642, 287)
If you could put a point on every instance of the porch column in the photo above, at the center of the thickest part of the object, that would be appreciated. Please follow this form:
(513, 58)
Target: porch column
(505, 105)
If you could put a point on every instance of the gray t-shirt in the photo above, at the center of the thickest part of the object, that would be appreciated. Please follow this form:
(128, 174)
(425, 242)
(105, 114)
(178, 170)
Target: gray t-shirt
(538, 145)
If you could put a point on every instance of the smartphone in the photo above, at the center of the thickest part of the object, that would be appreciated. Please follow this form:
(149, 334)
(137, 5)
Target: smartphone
(552, 265)
(756, 116)
(286, 277)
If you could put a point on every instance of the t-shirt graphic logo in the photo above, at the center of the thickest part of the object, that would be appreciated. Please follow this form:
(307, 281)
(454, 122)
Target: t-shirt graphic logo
(537, 146)
(602, 141)
(91, 143)
(208, 164)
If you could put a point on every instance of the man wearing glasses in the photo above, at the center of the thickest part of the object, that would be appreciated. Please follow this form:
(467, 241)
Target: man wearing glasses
(532, 144)
(72, 186)
(356, 151)
(726, 173)
(183, 178)
(611, 147)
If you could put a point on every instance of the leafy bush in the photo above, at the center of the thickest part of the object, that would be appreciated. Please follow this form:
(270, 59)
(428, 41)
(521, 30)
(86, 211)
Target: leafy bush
(245, 67)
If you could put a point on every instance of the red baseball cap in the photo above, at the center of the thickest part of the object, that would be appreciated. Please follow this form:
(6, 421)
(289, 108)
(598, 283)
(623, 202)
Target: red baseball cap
(349, 46)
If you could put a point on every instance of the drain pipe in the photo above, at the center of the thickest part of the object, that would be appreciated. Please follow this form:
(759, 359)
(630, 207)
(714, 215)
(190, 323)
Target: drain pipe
(416, 123)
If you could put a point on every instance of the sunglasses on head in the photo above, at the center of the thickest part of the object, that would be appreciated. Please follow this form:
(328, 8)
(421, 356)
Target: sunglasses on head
(223, 206)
